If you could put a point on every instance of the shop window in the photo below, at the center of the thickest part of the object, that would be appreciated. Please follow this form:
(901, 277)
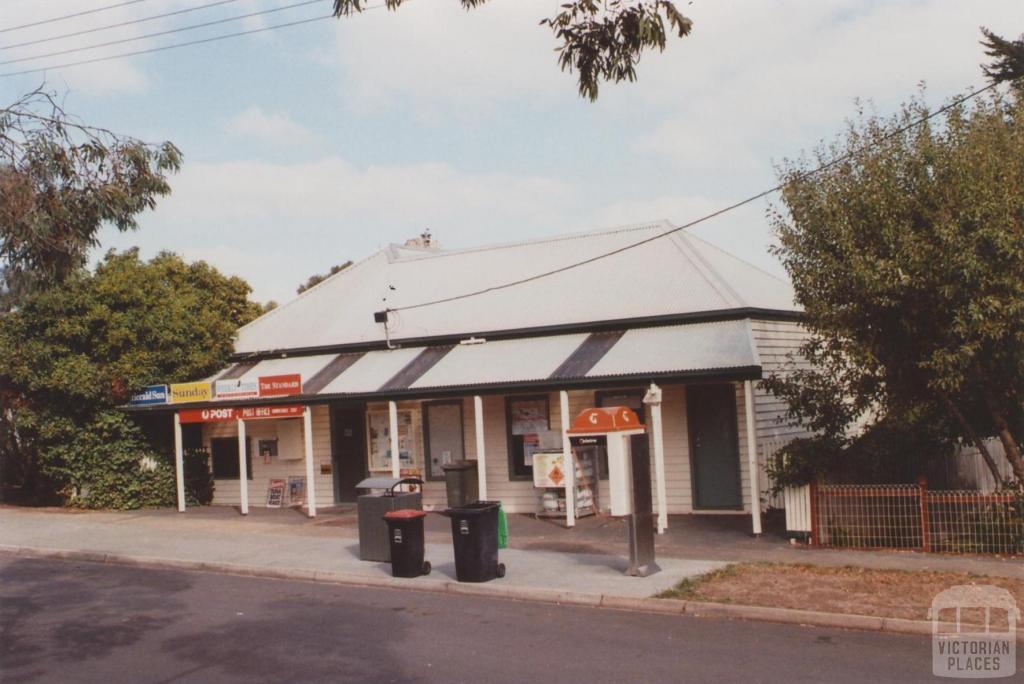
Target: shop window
(442, 436)
(224, 453)
(527, 422)
(633, 399)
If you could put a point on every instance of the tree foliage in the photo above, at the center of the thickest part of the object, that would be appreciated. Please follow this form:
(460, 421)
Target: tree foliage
(601, 40)
(75, 351)
(318, 278)
(1007, 63)
(60, 181)
(908, 258)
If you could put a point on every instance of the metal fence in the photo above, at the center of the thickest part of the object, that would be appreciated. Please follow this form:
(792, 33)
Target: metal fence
(914, 517)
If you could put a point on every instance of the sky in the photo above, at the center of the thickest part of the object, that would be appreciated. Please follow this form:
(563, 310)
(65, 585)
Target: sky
(317, 144)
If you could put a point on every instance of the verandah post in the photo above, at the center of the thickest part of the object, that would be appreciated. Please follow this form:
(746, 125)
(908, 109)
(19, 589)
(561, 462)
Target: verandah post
(815, 531)
(922, 484)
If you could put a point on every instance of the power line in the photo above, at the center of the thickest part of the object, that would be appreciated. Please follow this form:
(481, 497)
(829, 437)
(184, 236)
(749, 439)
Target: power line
(173, 46)
(73, 15)
(707, 217)
(180, 29)
(112, 26)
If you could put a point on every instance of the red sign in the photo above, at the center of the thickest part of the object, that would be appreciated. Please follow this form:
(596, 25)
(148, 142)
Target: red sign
(220, 415)
(207, 415)
(605, 419)
(262, 412)
(280, 385)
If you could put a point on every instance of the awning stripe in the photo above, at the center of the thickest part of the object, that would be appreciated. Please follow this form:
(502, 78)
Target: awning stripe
(586, 356)
(333, 369)
(238, 370)
(415, 369)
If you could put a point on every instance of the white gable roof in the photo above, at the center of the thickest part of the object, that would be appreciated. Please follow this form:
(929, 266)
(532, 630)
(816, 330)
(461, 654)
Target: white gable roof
(676, 274)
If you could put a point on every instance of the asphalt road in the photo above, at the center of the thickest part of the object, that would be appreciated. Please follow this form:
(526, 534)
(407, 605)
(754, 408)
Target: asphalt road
(81, 622)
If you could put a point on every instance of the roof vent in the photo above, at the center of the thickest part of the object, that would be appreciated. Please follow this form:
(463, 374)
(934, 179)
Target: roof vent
(424, 241)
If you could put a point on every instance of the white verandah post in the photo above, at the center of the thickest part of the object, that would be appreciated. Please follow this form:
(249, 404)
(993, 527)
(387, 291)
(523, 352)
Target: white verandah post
(752, 466)
(243, 470)
(307, 429)
(569, 461)
(179, 463)
(653, 399)
(396, 465)
(481, 459)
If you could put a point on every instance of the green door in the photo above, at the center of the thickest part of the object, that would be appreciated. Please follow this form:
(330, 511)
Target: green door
(714, 446)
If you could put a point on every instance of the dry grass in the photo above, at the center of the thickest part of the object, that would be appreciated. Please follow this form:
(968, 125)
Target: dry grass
(861, 591)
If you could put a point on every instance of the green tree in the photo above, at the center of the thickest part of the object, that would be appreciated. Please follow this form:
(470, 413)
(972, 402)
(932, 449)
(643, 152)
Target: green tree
(907, 255)
(318, 278)
(60, 181)
(76, 351)
(601, 40)
(1007, 63)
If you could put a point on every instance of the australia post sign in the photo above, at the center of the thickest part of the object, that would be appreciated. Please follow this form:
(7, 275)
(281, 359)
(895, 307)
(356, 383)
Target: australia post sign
(221, 415)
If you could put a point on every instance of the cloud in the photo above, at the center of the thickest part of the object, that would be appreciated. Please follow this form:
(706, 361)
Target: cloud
(277, 223)
(278, 128)
(446, 60)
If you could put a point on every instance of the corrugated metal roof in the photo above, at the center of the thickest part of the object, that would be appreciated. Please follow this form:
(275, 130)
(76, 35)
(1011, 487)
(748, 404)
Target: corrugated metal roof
(306, 366)
(677, 274)
(694, 347)
(501, 361)
(371, 371)
(544, 360)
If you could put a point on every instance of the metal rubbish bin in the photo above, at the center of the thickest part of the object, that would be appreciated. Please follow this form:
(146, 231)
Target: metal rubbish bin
(475, 538)
(460, 478)
(405, 537)
(382, 498)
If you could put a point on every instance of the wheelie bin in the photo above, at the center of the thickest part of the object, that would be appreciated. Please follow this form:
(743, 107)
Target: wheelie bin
(405, 537)
(475, 537)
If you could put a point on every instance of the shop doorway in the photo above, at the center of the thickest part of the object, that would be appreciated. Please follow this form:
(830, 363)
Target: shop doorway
(714, 446)
(348, 450)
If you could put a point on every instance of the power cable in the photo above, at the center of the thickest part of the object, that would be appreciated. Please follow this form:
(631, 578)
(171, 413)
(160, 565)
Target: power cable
(173, 46)
(119, 25)
(72, 15)
(180, 29)
(736, 205)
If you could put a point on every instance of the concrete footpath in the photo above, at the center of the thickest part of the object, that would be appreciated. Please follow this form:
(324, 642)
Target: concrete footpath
(262, 546)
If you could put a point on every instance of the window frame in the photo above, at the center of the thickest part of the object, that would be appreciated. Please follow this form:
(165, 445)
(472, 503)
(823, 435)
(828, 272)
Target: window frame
(510, 439)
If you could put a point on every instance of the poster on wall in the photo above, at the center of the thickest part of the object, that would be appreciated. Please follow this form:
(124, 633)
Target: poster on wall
(379, 440)
(296, 490)
(275, 493)
(529, 417)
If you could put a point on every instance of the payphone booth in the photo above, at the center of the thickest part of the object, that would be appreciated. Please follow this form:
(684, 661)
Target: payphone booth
(619, 433)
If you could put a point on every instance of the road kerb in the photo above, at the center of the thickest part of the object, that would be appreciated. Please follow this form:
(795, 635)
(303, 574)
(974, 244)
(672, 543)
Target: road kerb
(698, 609)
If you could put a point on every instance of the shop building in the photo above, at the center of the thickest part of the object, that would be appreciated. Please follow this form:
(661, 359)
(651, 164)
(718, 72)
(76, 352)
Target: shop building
(443, 355)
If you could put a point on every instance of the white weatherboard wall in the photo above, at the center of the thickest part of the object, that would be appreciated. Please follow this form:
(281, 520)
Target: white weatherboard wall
(775, 342)
(226, 492)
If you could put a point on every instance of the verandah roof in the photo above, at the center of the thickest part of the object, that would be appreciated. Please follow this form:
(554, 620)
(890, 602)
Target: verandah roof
(719, 348)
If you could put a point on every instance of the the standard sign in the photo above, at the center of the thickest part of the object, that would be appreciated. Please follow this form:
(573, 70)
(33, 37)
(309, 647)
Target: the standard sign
(236, 389)
(280, 385)
(154, 394)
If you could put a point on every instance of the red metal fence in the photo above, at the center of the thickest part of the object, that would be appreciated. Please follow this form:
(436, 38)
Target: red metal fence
(914, 517)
